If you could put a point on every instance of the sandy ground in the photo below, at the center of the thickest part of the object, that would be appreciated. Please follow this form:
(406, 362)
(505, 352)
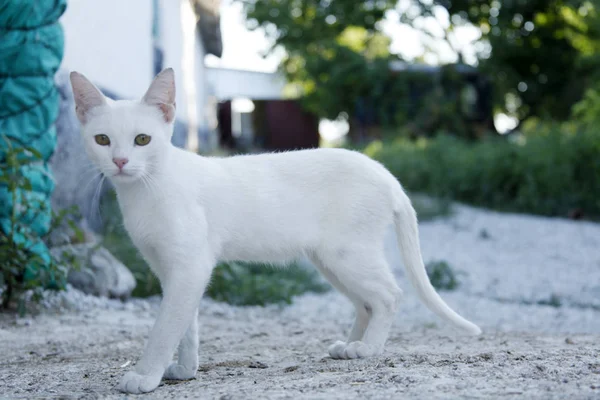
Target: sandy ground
(81, 346)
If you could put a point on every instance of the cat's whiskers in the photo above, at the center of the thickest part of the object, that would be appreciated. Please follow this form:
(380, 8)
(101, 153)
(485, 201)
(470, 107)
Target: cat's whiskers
(94, 178)
(152, 182)
(96, 198)
(144, 183)
(89, 169)
(149, 184)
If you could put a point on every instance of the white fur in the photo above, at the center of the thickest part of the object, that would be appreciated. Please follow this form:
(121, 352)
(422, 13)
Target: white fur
(185, 212)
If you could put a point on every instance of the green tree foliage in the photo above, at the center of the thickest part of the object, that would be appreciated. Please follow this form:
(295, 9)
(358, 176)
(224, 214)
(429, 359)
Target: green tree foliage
(587, 111)
(335, 52)
(338, 62)
(542, 53)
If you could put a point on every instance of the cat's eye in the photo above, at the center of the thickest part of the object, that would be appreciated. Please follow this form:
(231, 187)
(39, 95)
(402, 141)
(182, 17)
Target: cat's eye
(142, 140)
(102, 140)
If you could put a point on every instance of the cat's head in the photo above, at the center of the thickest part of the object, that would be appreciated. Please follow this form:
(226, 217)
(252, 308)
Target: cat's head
(126, 140)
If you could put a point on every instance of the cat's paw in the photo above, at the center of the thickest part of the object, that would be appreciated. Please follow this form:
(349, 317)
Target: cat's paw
(135, 383)
(179, 372)
(346, 351)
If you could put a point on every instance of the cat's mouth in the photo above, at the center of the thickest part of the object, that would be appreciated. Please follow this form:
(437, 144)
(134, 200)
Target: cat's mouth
(123, 175)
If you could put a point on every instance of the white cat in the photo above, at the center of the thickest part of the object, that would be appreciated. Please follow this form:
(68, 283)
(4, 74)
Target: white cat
(186, 212)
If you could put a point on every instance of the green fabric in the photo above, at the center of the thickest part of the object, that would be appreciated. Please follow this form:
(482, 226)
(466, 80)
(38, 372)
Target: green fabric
(31, 50)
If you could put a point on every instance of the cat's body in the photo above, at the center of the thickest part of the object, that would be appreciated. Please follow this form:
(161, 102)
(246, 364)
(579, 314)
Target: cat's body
(185, 212)
(267, 208)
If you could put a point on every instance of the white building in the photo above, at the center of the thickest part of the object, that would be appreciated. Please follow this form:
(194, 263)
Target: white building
(112, 43)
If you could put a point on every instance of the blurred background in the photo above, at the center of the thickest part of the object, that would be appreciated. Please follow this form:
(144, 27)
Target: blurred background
(494, 104)
(469, 69)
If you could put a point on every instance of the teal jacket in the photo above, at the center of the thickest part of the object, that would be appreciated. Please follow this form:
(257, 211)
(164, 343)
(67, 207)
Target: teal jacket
(31, 49)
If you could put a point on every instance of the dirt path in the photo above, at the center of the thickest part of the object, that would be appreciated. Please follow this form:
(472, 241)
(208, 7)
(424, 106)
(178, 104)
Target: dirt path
(271, 354)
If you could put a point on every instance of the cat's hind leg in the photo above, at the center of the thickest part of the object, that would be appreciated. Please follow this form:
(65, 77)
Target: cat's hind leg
(361, 316)
(364, 276)
(187, 361)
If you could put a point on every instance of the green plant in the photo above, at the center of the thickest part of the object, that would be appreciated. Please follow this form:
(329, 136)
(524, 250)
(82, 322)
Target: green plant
(441, 275)
(25, 263)
(259, 284)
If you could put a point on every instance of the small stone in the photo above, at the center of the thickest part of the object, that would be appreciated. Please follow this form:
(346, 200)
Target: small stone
(257, 364)
(101, 274)
(23, 322)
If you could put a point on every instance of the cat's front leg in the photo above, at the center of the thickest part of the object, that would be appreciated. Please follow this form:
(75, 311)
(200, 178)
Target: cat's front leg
(183, 287)
(187, 361)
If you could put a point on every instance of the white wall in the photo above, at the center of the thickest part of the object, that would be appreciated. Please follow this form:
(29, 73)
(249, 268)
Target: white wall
(109, 41)
(176, 30)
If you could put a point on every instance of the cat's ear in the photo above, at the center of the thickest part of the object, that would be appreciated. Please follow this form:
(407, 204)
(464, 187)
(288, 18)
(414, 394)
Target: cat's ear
(161, 94)
(87, 96)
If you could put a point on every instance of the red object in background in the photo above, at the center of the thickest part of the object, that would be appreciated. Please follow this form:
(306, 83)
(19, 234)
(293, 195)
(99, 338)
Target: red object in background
(289, 127)
(224, 118)
(277, 125)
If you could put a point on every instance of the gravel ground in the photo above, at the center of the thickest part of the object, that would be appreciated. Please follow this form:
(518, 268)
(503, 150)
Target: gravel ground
(79, 346)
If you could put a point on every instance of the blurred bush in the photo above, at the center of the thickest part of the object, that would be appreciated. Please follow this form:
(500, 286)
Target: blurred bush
(551, 170)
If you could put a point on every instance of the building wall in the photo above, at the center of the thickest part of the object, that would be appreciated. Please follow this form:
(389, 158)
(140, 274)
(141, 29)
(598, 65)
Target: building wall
(227, 84)
(109, 41)
(184, 53)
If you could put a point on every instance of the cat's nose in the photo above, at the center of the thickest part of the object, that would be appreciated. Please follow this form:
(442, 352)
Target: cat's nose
(120, 162)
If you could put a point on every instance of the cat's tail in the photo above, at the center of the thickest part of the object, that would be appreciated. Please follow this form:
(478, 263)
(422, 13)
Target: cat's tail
(405, 219)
